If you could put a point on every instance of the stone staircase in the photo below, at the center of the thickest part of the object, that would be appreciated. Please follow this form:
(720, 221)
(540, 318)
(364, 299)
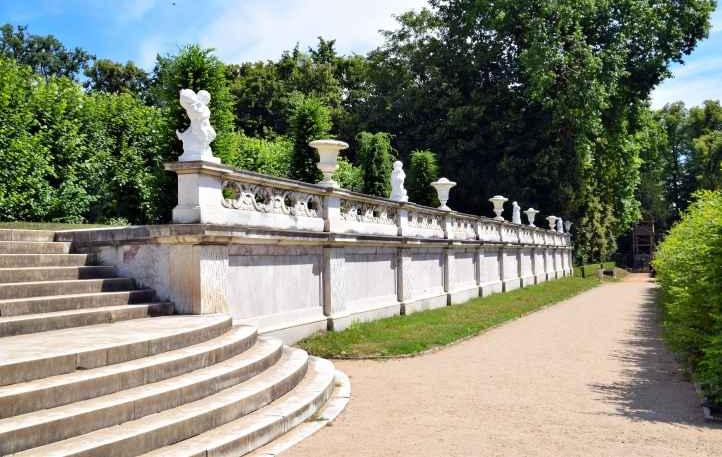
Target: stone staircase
(93, 366)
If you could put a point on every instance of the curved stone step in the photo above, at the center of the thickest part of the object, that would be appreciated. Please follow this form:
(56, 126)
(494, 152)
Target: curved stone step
(72, 286)
(35, 274)
(26, 235)
(42, 260)
(39, 355)
(264, 425)
(47, 426)
(44, 322)
(143, 435)
(52, 303)
(81, 385)
(34, 247)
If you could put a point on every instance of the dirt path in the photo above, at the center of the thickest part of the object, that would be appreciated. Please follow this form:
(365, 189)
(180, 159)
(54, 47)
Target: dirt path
(587, 377)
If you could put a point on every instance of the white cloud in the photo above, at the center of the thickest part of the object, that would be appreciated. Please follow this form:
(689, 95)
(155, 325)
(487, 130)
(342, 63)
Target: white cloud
(691, 92)
(260, 30)
(134, 9)
(147, 52)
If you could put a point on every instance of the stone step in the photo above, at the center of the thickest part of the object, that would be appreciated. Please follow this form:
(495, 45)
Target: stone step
(42, 260)
(264, 425)
(34, 247)
(33, 323)
(64, 287)
(148, 433)
(39, 355)
(81, 385)
(51, 425)
(26, 235)
(52, 303)
(35, 274)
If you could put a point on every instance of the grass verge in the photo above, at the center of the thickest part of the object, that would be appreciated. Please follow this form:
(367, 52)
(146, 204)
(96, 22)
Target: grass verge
(47, 226)
(418, 332)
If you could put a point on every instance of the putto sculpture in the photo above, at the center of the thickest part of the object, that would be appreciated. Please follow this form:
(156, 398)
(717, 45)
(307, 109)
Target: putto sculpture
(398, 192)
(560, 225)
(515, 213)
(198, 137)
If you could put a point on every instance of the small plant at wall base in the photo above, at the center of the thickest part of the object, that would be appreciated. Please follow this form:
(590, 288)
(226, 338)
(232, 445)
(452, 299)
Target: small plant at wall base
(689, 269)
(423, 170)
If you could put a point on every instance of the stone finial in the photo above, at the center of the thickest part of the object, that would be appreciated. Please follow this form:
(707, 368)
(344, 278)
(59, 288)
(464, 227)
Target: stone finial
(498, 202)
(567, 226)
(552, 222)
(530, 215)
(398, 192)
(560, 225)
(328, 159)
(198, 137)
(515, 213)
(443, 186)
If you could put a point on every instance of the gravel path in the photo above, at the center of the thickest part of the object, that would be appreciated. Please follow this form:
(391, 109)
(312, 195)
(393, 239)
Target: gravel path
(587, 377)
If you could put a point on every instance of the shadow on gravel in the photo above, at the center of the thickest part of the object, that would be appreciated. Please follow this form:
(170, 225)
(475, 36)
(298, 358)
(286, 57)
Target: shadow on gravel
(655, 387)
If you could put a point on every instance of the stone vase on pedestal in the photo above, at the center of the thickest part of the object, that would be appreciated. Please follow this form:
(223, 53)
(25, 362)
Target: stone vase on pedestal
(328, 151)
(498, 202)
(530, 215)
(443, 186)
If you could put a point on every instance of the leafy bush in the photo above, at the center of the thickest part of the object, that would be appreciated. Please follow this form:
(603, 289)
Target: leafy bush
(309, 120)
(376, 160)
(423, 170)
(349, 176)
(689, 269)
(268, 156)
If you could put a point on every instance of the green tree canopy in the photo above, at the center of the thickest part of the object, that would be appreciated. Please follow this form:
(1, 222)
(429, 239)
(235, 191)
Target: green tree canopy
(423, 170)
(309, 120)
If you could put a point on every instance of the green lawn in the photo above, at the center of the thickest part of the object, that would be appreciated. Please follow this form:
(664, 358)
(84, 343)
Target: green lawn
(403, 335)
(46, 226)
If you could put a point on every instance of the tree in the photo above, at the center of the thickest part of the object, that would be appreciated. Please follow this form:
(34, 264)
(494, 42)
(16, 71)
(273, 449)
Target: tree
(536, 100)
(46, 55)
(196, 68)
(376, 160)
(423, 170)
(107, 76)
(309, 120)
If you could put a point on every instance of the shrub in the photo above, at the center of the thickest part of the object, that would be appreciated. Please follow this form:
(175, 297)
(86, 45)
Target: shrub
(349, 176)
(309, 120)
(375, 151)
(423, 170)
(689, 269)
(269, 156)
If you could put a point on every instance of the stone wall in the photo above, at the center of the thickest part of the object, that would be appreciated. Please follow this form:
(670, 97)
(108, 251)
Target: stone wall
(294, 259)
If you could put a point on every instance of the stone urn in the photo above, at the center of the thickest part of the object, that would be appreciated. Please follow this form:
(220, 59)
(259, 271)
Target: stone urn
(328, 155)
(552, 222)
(498, 202)
(530, 215)
(443, 186)
(567, 226)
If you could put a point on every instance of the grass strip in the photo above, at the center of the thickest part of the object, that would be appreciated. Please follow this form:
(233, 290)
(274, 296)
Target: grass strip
(47, 226)
(419, 332)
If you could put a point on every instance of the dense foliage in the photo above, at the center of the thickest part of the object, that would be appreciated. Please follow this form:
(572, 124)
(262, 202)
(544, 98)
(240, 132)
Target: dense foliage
(375, 156)
(309, 120)
(423, 170)
(689, 269)
(543, 101)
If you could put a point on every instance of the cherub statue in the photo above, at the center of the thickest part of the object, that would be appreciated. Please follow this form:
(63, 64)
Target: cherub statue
(398, 193)
(560, 225)
(197, 138)
(515, 213)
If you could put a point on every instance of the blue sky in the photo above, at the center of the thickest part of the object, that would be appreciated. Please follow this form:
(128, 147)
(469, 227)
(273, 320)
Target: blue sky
(242, 30)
